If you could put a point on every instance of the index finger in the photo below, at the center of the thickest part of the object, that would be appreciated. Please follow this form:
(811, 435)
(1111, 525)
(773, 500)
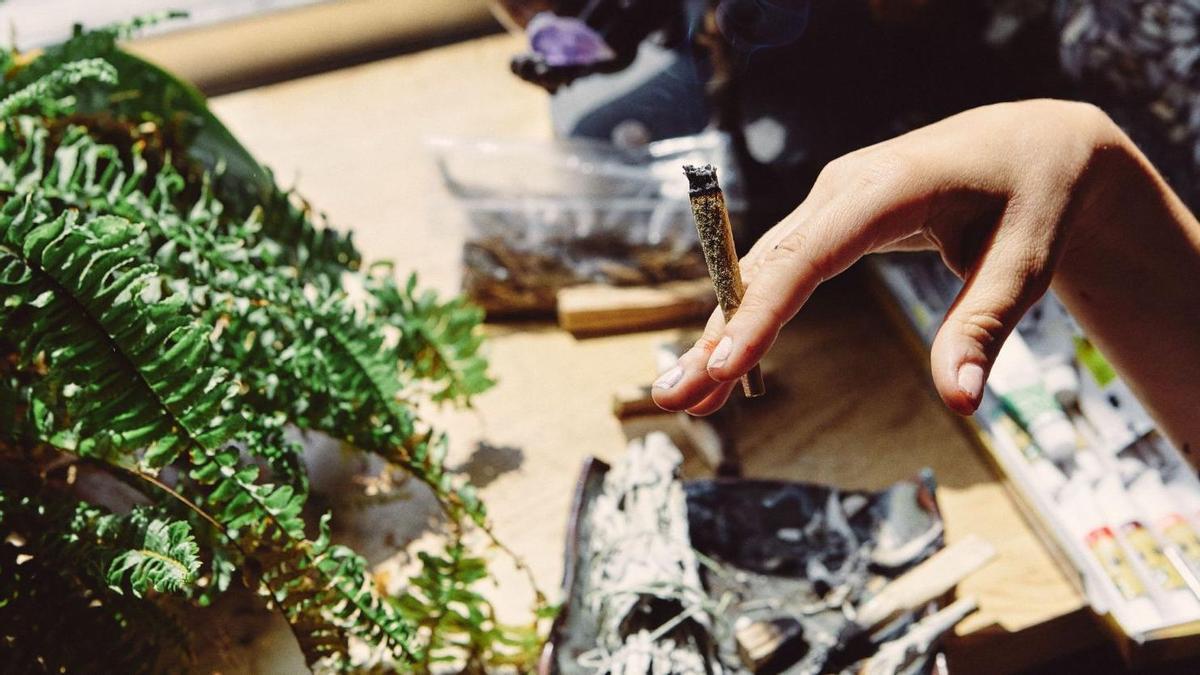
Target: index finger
(826, 235)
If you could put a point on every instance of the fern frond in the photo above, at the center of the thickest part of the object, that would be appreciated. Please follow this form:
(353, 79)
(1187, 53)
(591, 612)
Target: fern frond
(52, 584)
(178, 113)
(439, 342)
(458, 623)
(145, 254)
(81, 172)
(349, 370)
(365, 408)
(51, 623)
(361, 383)
(167, 560)
(124, 30)
(311, 245)
(125, 365)
(55, 83)
(324, 590)
(280, 231)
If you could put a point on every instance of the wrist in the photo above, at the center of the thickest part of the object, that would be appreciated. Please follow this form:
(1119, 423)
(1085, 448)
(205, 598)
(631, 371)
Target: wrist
(1125, 273)
(1116, 191)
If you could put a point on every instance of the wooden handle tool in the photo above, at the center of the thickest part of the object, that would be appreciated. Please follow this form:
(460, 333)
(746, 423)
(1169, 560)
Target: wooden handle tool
(928, 580)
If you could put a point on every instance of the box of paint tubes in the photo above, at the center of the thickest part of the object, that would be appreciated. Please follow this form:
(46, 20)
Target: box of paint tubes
(1117, 503)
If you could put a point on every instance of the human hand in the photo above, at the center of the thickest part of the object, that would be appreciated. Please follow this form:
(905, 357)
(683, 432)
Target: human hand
(1004, 192)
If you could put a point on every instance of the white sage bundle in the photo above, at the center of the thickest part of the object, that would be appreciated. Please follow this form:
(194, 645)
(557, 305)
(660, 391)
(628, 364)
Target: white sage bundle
(644, 584)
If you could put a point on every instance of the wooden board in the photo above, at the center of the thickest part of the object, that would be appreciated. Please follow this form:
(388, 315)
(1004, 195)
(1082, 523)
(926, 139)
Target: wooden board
(847, 404)
(594, 309)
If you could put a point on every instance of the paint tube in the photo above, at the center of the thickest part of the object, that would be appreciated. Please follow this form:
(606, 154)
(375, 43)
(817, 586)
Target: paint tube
(924, 286)
(1044, 473)
(1107, 402)
(1151, 496)
(1186, 497)
(1120, 586)
(1048, 330)
(1089, 466)
(1113, 431)
(1176, 600)
(1016, 381)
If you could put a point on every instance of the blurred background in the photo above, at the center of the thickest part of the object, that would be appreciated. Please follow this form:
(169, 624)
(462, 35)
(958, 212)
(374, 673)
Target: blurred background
(40, 21)
(226, 45)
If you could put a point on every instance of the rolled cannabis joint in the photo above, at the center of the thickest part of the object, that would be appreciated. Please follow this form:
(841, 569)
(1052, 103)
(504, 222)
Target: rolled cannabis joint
(716, 239)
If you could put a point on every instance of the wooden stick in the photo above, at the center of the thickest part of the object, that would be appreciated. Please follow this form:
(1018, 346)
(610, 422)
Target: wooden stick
(896, 655)
(597, 309)
(716, 238)
(632, 400)
(759, 642)
(928, 580)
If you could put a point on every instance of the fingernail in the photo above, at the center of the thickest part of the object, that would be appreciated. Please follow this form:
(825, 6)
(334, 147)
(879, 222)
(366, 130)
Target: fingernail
(970, 380)
(721, 353)
(669, 379)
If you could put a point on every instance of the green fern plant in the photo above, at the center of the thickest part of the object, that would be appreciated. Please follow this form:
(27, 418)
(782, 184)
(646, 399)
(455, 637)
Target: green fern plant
(167, 313)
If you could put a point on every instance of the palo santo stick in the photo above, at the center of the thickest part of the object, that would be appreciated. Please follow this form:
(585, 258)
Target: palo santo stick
(632, 400)
(597, 308)
(928, 580)
(761, 642)
(716, 238)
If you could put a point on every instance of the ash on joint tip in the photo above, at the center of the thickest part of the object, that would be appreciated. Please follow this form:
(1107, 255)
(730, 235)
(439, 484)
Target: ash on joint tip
(701, 179)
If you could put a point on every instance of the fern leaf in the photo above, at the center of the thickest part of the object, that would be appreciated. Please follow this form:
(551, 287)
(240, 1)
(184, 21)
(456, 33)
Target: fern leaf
(57, 613)
(280, 230)
(439, 342)
(324, 590)
(351, 375)
(459, 622)
(315, 248)
(150, 94)
(56, 82)
(363, 392)
(127, 365)
(167, 560)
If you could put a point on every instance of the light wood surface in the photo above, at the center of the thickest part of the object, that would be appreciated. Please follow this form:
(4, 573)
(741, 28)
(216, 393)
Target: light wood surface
(847, 404)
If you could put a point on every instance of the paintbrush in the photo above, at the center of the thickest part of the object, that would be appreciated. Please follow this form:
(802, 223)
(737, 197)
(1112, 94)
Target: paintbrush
(896, 655)
(927, 581)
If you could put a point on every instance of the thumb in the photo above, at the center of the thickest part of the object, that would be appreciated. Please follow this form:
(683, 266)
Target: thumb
(1004, 284)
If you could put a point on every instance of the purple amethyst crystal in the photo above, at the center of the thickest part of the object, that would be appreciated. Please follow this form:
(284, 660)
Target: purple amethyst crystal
(566, 41)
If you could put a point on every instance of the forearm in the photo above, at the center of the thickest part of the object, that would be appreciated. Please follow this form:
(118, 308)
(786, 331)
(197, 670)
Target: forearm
(1130, 274)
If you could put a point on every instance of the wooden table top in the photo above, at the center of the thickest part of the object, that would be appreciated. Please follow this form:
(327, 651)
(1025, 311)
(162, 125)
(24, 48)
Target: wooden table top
(848, 404)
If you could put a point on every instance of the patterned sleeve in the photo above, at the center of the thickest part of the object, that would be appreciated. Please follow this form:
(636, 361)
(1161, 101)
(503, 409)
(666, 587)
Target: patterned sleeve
(1140, 61)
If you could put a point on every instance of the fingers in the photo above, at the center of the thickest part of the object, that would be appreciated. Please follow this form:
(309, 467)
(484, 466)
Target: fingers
(1007, 280)
(688, 383)
(817, 242)
(860, 203)
(713, 402)
(947, 185)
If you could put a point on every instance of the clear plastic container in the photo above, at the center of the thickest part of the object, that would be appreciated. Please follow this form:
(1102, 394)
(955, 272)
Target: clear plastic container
(543, 216)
